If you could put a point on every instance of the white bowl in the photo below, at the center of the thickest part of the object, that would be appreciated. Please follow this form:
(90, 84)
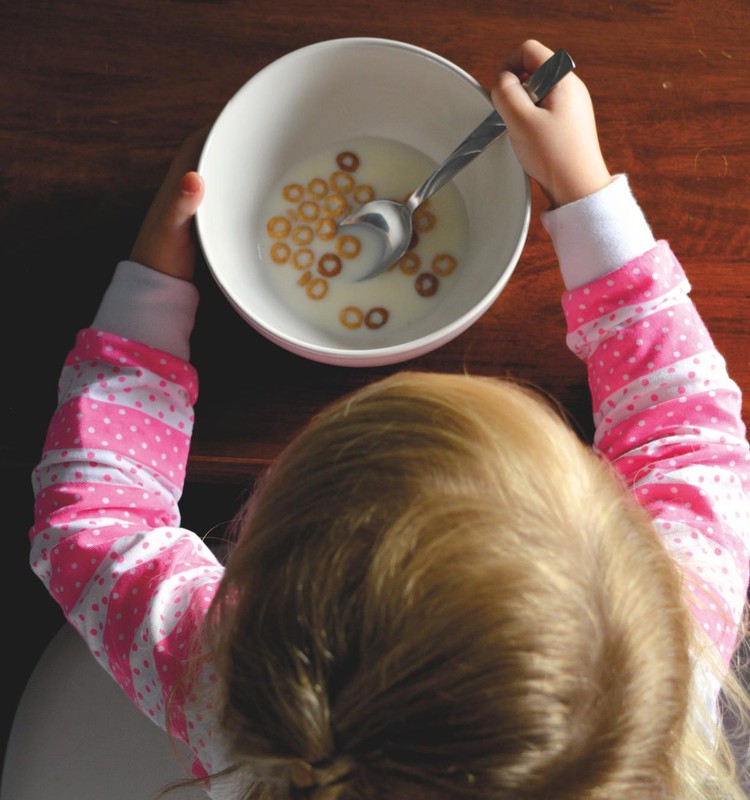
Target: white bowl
(333, 91)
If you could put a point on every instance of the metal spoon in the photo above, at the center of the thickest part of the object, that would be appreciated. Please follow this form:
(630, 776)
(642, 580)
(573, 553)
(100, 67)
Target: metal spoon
(392, 221)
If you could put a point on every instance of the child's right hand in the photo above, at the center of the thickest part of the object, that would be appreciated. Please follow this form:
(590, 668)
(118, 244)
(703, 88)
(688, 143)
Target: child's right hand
(165, 242)
(556, 142)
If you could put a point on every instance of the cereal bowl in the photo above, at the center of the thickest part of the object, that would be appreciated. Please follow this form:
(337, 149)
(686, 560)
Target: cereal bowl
(313, 136)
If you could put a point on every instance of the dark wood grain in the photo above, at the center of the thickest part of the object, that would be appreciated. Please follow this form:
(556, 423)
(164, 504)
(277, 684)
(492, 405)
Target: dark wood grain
(95, 97)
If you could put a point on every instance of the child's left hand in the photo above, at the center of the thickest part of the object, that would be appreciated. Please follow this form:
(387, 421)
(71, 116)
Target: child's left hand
(165, 241)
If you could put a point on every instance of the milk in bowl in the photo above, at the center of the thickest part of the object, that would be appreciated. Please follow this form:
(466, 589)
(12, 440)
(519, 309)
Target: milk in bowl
(314, 265)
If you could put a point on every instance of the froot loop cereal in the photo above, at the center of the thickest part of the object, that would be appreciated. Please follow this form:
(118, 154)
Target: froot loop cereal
(329, 265)
(353, 317)
(326, 198)
(323, 261)
(347, 161)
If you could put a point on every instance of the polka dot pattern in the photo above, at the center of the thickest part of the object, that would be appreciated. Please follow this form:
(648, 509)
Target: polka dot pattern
(669, 417)
(106, 539)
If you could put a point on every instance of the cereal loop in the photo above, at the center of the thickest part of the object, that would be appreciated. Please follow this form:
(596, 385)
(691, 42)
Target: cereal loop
(348, 246)
(309, 210)
(351, 317)
(329, 265)
(347, 161)
(409, 263)
(293, 192)
(303, 258)
(280, 252)
(424, 221)
(318, 188)
(302, 234)
(278, 227)
(342, 182)
(376, 317)
(426, 284)
(326, 228)
(304, 278)
(363, 193)
(317, 288)
(334, 205)
(443, 264)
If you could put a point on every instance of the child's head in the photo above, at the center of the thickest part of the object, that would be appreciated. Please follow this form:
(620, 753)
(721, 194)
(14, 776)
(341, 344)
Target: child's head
(440, 592)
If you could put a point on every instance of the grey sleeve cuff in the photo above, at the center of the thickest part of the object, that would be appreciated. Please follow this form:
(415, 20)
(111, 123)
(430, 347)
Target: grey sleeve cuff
(599, 233)
(150, 307)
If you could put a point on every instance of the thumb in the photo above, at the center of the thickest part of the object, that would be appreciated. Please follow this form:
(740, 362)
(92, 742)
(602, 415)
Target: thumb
(186, 199)
(165, 240)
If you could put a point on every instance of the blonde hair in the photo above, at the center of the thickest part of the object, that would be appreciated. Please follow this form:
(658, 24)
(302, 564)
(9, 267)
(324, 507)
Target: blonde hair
(439, 592)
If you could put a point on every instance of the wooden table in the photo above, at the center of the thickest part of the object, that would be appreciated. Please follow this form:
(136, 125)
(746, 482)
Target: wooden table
(95, 97)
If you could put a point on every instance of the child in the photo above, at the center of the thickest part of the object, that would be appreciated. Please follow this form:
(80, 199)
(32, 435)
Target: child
(437, 591)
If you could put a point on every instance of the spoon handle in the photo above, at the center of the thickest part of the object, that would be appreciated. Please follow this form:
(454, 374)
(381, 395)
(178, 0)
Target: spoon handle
(492, 127)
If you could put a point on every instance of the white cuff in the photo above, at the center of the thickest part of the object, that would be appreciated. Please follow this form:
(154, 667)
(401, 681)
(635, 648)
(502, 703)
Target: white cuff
(150, 307)
(599, 233)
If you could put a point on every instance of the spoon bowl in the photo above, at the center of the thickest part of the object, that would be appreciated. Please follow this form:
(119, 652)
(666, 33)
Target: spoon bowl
(391, 221)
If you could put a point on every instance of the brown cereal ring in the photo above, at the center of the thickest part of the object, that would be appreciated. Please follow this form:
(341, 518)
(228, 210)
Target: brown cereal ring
(348, 246)
(317, 288)
(303, 258)
(302, 234)
(363, 193)
(293, 192)
(329, 265)
(424, 221)
(341, 182)
(308, 210)
(304, 278)
(280, 252)
(376, 317)
(443, 264)
(409, 263)
(347, 161)
(326, 228)
(351, 317)
(318, 188)
(334, 205)
(426, 284)
(414, 241)
(278, 227)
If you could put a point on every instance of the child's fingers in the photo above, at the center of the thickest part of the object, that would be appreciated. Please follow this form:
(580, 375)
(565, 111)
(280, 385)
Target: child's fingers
(527, 57)
(510, 98)
(509, 94)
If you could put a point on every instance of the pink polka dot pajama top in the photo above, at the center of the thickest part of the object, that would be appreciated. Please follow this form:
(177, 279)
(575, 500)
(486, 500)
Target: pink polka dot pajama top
(107, 540)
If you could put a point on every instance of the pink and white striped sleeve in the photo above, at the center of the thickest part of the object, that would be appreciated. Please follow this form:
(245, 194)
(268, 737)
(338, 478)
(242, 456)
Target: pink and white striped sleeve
(106, 539)
(668, 416)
